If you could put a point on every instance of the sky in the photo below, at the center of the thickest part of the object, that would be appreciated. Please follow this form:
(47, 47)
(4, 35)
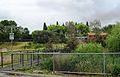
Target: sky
(33, 13)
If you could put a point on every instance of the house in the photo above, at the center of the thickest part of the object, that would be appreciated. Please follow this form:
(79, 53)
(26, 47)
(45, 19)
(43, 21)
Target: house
(91, 36)
(103, 35)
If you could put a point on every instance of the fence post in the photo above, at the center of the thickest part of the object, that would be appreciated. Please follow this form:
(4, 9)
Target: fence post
(53, 64)
(38, 58)
(12, 63)
(31, 57)
(27, 56)
(2, 59)
(104, 64)
(22, 58)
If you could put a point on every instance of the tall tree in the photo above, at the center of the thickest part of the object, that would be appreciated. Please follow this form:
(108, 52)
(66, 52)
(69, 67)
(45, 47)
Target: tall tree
(87, 23)
(95, 26)
(113, 40)
(63, 24)
(71, 35)
(57, 23)
(44, 26)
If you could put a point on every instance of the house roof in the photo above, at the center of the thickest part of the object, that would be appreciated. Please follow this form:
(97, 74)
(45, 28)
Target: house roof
(91, 33)
(102, 33)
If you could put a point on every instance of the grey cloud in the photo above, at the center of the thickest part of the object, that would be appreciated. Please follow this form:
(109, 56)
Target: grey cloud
(35, 12)
(4, 14)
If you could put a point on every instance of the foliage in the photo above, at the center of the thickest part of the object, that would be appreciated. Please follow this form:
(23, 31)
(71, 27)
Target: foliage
(82, 29)
(20, 33)
(42, 36)
(57, 28)
(72, 43)
(113, 40)
(44, 26)
(108, 28)
(116, 70)
(89, 48)
(47, 64)
(71, 35)
(8, 23)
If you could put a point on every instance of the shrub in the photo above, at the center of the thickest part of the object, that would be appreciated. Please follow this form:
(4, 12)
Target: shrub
(47, 64)
(116, 70)
(89, 48)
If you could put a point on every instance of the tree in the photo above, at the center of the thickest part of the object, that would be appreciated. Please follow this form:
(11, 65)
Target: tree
(108, 28)
(8, 23)
(57, 23)
(63, 24)
(42, 36)
(57, 28)
(71, 32)
(12, 23)
(95, 26)
(87, 23)
(5, 22)
(25, 34)
(113, 40)
(82, 29)
(20, 33)
(44, 26)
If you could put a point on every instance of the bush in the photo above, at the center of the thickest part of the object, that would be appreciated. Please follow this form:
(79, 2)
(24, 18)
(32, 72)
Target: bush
(116, 70)
(89, 48)
(47, 64)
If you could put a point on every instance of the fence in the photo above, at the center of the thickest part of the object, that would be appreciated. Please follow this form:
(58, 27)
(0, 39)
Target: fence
(90, 63)
(5, 57)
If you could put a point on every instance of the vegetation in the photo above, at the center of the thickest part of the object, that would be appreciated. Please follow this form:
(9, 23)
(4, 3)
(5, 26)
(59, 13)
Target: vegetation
(89, 48)
(64, 38)
(21, 34)
(113, 40)
(116, 70)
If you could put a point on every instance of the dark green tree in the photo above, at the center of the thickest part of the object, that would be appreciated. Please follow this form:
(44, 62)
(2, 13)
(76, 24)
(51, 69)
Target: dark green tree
(12, 23)
(42, 36)
(5, 23)
(57, 23)
(44, 26)
(87, 23)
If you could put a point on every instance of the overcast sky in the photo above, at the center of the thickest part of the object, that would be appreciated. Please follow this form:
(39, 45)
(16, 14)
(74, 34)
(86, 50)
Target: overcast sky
(33, 13)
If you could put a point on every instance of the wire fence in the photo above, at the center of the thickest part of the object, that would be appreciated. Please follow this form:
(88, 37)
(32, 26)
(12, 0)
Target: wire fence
(89, 63)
